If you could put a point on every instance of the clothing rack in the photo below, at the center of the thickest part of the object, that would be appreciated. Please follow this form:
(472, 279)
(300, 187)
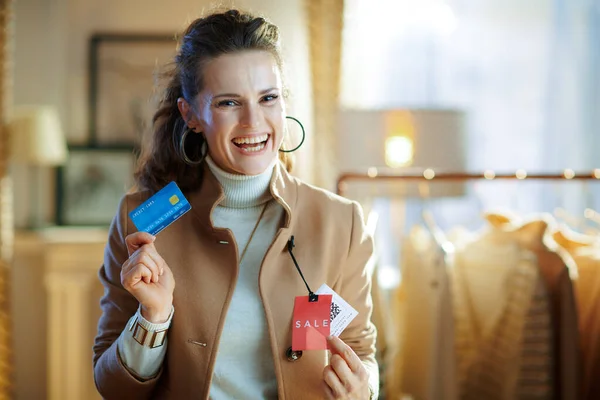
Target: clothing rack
(563, 351)
(429, 175)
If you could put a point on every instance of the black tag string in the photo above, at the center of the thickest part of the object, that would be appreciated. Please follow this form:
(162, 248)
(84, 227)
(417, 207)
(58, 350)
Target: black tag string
(312, 297)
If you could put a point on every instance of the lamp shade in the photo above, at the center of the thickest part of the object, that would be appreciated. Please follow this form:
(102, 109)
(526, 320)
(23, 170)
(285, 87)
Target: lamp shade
(37, 137)
(395, 138)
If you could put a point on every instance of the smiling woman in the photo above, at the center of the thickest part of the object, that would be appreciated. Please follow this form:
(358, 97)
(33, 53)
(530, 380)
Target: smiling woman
(218, 134)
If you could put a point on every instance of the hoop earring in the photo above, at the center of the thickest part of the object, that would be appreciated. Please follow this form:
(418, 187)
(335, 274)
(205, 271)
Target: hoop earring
(184, 156)
(303, 136)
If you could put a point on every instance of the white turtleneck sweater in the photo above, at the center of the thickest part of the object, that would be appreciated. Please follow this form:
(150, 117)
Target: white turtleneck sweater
(244, 365)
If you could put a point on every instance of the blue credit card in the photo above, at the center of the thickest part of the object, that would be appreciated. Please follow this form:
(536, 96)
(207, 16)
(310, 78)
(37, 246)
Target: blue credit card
(160, 210)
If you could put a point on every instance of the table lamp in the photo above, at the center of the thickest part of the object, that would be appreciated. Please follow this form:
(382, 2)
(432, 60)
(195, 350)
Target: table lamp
(401, 141)
(37, 141)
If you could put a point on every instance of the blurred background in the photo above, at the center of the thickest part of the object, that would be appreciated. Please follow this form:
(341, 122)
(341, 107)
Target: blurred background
(415, 90)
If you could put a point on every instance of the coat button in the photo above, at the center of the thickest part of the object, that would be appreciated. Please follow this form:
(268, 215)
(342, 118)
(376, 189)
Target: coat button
(293, 355)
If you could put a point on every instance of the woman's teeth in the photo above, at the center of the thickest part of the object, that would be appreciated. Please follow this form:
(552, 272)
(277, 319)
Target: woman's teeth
(251, 140)
(251, 144)
(255, 148)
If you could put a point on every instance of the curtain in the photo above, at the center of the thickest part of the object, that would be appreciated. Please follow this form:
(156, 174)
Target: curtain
(6, 228)
(572, 115)
(325, 21)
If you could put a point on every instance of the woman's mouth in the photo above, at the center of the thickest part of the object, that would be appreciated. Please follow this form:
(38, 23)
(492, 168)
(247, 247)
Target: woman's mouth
(252, 144)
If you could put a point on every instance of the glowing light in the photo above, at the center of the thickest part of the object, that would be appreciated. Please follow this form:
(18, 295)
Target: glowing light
(372, 172)
(569, 174)
(521, 174)
(441, 18)
(597, 173)
(429, 173)
(398, 151)
(489, 174)
(388, 277)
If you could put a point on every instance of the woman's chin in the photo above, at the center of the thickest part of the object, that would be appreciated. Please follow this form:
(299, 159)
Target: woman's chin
(255, 165)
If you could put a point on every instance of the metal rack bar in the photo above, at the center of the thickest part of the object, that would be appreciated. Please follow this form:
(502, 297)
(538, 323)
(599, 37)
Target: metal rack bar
(430, 175)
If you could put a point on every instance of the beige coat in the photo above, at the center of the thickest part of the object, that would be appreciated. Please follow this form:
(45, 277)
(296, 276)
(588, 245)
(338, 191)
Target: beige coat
(424, 363)
(331, 247)
(586, 254)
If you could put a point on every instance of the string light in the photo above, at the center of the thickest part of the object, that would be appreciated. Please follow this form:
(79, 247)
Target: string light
(372, 172)
(569, 174)
(521, 174)
(489, 174)
(429, 173)
(597, 173)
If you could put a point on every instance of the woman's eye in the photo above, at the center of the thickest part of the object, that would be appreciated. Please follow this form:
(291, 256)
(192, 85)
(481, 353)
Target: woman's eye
(226, 103)
(270, 97)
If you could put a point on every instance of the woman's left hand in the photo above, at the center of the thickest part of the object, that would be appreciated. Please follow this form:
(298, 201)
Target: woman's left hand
(345, 377)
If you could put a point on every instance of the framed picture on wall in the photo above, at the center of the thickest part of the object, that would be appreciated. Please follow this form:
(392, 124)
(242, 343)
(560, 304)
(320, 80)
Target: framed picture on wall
(123, 72)
(91, 184)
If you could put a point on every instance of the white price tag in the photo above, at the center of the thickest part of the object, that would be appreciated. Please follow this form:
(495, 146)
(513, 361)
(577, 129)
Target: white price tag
(342, 313)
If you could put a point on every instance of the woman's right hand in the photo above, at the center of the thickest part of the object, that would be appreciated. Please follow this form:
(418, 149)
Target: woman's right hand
(148, 277)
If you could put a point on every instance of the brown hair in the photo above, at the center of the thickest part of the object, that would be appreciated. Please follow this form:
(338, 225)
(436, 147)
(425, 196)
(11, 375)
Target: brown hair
(205, 39)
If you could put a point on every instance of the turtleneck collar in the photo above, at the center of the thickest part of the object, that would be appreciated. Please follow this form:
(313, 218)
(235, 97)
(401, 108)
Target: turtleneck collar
(242, 191)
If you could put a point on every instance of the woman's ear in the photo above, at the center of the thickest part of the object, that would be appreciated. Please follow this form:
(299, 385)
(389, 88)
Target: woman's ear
(185, 109)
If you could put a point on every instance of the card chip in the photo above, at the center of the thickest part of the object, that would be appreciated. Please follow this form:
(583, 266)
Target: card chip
(174, 199)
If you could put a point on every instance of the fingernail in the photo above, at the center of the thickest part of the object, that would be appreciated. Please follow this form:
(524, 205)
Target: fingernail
(162, 271)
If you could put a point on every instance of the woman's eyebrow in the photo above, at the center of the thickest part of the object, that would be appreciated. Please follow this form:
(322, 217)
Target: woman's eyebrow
(265, 91)
(268, 90)
(226, 95)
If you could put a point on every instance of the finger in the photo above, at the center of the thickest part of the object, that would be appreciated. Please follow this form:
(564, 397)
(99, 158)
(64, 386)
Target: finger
(333, 381)
(151, 251)
(145, 258)
(342, 370)
(142, 273)
(137, 240)
(139, 273)
(337, 346)
(328, 392)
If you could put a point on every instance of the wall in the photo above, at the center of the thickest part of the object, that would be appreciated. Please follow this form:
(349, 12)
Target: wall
(51, 68)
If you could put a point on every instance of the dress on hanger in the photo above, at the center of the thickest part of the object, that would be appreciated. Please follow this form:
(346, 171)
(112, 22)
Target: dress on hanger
(586, 254)
(424, 362)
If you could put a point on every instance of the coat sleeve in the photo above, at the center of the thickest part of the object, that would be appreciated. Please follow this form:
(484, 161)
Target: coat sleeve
(113, 380)
(355, 288)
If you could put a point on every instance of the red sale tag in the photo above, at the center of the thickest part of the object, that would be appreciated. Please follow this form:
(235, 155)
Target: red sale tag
(311, 323)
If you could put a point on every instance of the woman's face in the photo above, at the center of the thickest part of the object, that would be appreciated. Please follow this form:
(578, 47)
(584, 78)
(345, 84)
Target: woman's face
(241, 111)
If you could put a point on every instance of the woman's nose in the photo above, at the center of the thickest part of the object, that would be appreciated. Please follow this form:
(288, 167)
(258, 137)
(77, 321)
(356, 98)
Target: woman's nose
(251, 117)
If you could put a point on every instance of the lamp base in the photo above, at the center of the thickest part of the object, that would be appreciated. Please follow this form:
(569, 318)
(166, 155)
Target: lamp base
(36, 220)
